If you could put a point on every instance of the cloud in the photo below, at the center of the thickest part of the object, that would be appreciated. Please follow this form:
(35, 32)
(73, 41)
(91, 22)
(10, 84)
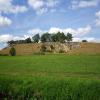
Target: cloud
(76, 32)
(35, 31)
(4, 21)
(6, 37)
(41, 6)
(6, 6)
(97, 21)
(84, 3)
(89, 39)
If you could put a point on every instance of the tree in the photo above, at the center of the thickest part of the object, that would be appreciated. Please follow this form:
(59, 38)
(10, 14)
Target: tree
(12, 51)
(59, 37)
(28, 40)
(84, 41)
(36, 38)
(69, 39)
(54, 38)
(46, 37)
(11, 42)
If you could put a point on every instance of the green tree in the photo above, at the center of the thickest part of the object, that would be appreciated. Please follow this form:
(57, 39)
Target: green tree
(28, 40)
(69, 38)
(84, 41)
(46, 37)
(59, 37)
(12, 51)
(36, 38)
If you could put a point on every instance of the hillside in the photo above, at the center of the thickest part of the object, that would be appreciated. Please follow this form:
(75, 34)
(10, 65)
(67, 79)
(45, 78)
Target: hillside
(86, 48)
(33, 48)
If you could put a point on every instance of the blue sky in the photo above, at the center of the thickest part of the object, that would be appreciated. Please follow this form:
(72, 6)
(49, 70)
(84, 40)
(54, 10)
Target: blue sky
(20, 19)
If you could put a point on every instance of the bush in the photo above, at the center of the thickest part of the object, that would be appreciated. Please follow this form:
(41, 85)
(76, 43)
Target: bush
(12, 51)
(39, 53)
(84, 41)
(61, 51)
(52, 47)
(43, 48)
(4, 55)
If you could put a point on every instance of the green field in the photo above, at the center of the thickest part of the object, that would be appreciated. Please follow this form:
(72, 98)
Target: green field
(50, 77)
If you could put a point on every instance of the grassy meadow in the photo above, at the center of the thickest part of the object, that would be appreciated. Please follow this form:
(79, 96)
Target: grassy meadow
(50, 77)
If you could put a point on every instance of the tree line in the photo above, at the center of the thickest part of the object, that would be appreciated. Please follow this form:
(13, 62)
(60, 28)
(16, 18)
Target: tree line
(46, 37)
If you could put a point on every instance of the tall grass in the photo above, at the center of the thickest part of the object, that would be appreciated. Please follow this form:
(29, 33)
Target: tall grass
(50, 77)
(48, 88)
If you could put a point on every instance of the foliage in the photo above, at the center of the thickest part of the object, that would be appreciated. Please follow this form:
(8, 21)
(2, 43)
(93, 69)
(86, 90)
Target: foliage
(12, 51)
(61, 51)
(46, 37)
(69, 37)
(28, 40)
(36, 38)
(84, 41)
(59, 37)
(43, 48)
(52, 47)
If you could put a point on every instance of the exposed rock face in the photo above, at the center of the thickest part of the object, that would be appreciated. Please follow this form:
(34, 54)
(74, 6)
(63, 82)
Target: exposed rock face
(56, 47)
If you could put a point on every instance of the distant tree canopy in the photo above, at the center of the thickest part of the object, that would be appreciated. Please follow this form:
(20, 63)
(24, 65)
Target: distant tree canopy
(36, 38)
(28, 40)
(46, 37)
(60, 37)
(69, 37)
(84, 41)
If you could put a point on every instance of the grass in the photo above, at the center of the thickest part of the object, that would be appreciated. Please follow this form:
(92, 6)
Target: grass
(50, 77)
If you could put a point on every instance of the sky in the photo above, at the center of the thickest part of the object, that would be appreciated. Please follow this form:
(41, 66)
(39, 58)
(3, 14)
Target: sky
(20, 19)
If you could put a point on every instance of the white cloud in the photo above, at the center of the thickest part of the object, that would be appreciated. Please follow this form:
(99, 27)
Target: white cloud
(89, 39)
(6, 6)
(5, 37)
(41, 6)
(76, 32)
(4, 21)
(8, 37)
(35, 31)
(84, 3)
(97, 21)
(52, 3)
(36, 4)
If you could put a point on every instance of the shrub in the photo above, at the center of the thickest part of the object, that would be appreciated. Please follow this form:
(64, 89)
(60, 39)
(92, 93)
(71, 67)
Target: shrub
(12, 51)
(61, 51)
(52, 47)
(4, 55)
(84, 41)
(39, 53)
(43, 48)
